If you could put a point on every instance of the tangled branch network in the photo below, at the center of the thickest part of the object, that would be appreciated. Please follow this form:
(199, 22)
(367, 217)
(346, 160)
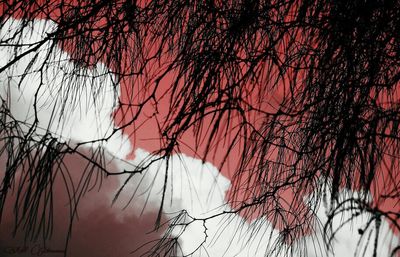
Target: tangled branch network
(250, 128)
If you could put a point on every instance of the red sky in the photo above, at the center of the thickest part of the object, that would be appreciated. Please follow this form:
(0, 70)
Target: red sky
(145, 134)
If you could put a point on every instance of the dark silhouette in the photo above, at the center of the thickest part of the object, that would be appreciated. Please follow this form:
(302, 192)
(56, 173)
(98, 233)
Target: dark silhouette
(305, 95)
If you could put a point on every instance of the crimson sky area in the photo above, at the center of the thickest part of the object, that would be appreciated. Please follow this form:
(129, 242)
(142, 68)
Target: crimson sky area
(145, 132)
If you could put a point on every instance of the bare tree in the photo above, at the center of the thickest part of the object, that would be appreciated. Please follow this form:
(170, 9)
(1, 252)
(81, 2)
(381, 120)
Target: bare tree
(335, 65)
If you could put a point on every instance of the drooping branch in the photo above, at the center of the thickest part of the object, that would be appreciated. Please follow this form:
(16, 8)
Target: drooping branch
(299, 90)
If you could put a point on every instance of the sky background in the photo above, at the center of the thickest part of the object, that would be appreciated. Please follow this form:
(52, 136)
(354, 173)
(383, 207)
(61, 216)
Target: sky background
(102, 229)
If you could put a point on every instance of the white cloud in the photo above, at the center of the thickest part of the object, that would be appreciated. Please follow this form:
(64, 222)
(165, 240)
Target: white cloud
(348, 241)
(72, 104)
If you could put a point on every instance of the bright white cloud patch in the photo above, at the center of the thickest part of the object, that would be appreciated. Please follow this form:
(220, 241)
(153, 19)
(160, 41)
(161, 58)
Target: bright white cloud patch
(72, 104)
(199, 189)
(77, 105)
(348, 241)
